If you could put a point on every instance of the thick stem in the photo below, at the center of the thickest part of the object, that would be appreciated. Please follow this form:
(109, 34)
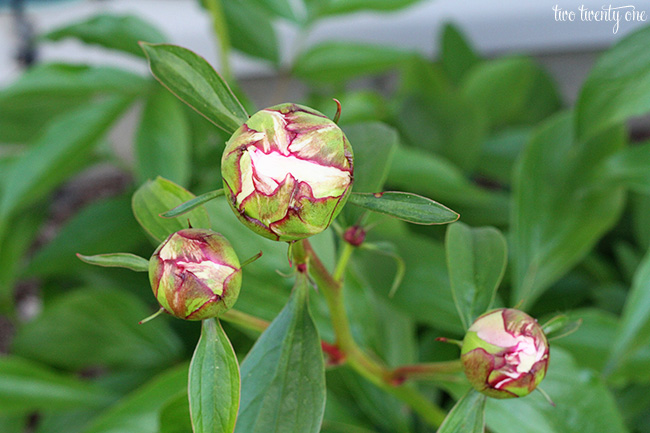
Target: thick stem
(370, 368)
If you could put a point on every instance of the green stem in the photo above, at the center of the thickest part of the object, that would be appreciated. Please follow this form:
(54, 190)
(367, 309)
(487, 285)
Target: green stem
(220, 26)
(342, 264)
(244, 320)
(370, 368)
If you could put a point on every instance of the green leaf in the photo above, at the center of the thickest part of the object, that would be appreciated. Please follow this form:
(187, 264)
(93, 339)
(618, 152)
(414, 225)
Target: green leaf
(282, 8)
(116, 32)
(617, 88)
(467, 415)
(47, 91)
(64, 148)
(140, 410)
(283, 376)
(429, 175)
(27, 386)
(117, 260)
(457, 56)
(88, 327)
(511, 91)
(582, 404)
(13, 254)
(629, 168)
(214, 381)
(113, 228)
(374, 146)
(175, 415)
(500, 152)
(250, 30)
(634, 331)
(195, 82)
(158, 196)
(431, 114)
(336, 62)
(476, 258)
(424, 294)
(347, 6)
(193, 204)
(558, 214)
(405, 206)
(162, 144)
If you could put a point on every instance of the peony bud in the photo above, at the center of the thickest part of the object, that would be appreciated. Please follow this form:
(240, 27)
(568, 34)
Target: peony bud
(505, 354)
(195, 274)
(287, 172)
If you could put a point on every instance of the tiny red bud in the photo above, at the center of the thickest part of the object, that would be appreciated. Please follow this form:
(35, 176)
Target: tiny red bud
(355, 235)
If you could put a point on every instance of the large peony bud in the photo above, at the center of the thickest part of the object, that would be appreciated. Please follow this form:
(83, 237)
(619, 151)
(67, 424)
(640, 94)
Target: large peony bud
(195, 274)
(287, 172)
(505, 354)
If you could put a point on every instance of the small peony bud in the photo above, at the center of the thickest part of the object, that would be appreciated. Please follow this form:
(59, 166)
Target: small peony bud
(505, 354)
(287, 172)
(195, 274)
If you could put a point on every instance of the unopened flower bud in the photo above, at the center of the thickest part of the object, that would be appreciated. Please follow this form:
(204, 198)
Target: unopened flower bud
(287, 172)
(195, 274)
(505, 353)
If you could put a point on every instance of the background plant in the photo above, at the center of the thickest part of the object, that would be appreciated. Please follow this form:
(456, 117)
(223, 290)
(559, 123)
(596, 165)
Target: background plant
(488, 138)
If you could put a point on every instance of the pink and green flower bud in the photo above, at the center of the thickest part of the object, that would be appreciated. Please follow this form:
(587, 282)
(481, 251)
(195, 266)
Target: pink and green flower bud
(505, 354)
(195, 274)
(287, 172)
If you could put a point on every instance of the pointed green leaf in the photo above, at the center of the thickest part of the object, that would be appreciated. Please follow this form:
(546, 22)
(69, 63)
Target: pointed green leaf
(476, 258)
(428, 174)
(338, 62)
(89, 327)
(192, 204)
(192, 79)
(27, 386)
(158, 196)
(250, 29)
(117, 260)
(140, 410)
(511, 91)
(162, 144)
(617, 88)
(283, 376)
(558, 214)
(467, 415)
(117, 32)
(63, 149)
(405, 206)
(634, 331)
(629, 167)
(49, 90)
(214, 382)
(457, 56)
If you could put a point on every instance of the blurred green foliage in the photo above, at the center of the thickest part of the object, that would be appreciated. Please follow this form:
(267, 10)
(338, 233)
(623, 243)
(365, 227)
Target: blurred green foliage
(490, 138)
